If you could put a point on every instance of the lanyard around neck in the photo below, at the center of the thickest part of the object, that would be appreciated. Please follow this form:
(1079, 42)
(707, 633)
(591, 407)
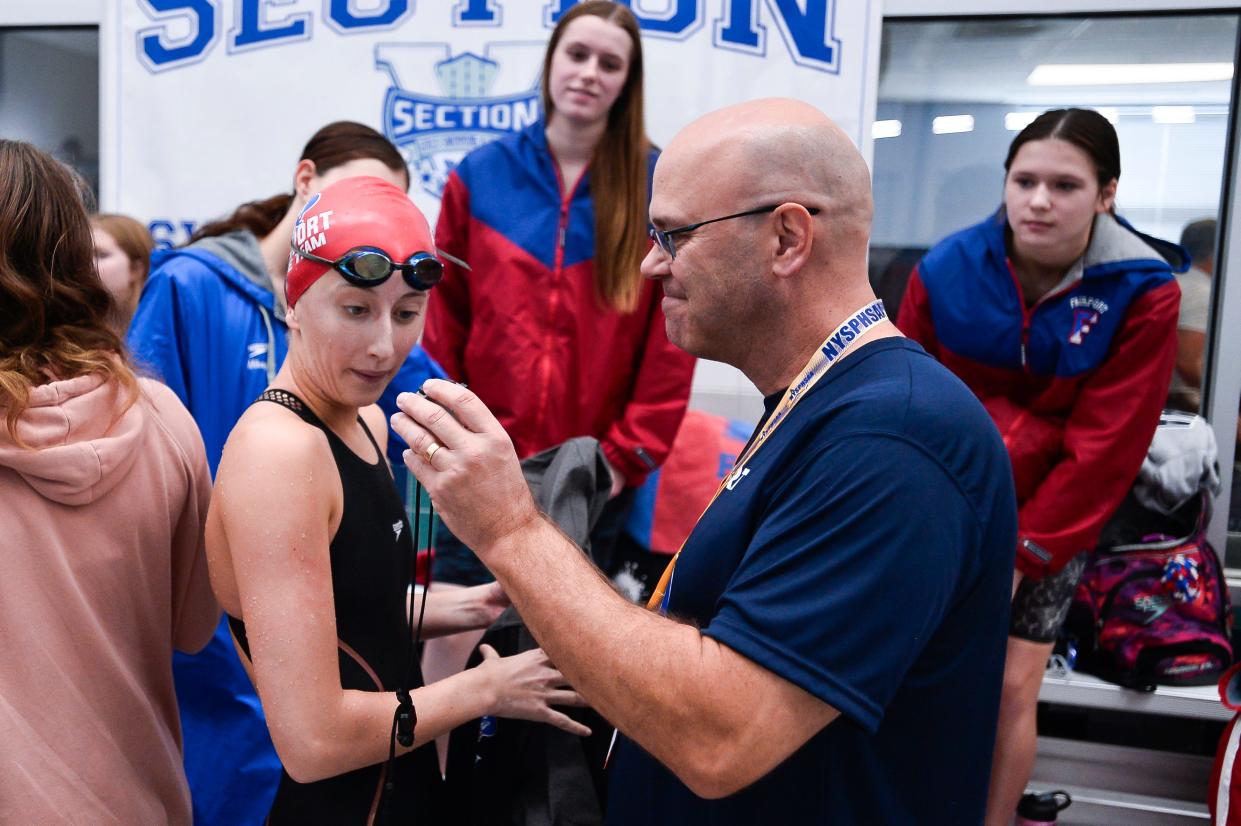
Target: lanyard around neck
(839, 342)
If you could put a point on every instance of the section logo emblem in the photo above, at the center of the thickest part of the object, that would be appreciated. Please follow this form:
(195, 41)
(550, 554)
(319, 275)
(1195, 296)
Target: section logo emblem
(480, 98)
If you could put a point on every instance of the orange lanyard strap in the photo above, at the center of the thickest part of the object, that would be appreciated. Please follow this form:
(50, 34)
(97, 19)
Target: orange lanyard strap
(840, 341)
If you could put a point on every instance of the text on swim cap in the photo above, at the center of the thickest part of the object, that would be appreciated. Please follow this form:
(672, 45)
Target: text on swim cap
(307, 233)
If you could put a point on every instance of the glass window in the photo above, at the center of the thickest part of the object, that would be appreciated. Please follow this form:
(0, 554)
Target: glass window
(49, 93)
(954, 93)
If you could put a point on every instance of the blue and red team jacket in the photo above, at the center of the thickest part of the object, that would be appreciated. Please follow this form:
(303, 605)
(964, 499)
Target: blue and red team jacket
(524, 327)
(1074, 383)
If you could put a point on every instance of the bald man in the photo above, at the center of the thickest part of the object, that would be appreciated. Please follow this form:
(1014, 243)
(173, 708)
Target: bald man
(829, 645)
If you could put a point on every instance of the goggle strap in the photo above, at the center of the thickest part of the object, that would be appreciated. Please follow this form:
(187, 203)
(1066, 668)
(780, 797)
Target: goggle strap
(454, 259)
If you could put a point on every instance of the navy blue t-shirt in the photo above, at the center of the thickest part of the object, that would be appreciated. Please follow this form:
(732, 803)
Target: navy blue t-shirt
(867, 557)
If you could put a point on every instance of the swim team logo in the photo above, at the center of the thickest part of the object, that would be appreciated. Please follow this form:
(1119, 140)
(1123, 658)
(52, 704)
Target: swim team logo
(477, 101)
(314, 199)
(1086, 313)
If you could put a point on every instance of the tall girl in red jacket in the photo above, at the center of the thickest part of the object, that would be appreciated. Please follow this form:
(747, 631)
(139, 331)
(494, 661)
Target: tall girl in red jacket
(1062, 319)
(553, 326)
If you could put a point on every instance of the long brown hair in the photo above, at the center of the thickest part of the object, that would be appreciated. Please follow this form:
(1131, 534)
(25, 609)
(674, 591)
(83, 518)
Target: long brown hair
(335, 144)
(618, 168)
(53, 307)
(136, 242)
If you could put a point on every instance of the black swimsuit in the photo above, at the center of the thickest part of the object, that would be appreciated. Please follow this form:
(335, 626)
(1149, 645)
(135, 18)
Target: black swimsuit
(370, 558)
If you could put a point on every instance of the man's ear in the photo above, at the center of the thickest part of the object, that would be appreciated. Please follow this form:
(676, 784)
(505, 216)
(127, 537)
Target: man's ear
(302, 177)
(794, 227)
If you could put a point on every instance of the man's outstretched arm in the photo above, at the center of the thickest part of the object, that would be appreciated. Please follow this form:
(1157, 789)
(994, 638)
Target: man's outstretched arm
(716, 719)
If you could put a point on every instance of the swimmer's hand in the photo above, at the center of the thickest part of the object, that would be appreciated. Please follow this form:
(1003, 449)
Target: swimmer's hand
(487, 603)
(526, 686)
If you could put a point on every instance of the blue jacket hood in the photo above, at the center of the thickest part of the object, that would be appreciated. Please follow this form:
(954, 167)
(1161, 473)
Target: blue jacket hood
(234, 257)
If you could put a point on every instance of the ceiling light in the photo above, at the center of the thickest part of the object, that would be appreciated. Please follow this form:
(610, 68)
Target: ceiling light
(885, 129)
(1106, 74)
(951, 124)
(1016, 121)
(1172, 114)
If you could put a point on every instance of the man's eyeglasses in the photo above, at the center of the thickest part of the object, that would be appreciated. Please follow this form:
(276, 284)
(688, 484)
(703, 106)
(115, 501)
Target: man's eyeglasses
(664, 238)
(371, 266)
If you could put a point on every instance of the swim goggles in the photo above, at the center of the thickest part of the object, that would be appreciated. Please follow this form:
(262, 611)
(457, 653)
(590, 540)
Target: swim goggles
(371, 266)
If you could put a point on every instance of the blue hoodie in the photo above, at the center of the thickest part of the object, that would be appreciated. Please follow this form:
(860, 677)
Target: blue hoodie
(208, 326)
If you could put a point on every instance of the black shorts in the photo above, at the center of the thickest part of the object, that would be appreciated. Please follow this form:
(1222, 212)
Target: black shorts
(1041, 605)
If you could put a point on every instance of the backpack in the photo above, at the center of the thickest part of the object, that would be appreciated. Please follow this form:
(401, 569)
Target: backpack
(1154, 611)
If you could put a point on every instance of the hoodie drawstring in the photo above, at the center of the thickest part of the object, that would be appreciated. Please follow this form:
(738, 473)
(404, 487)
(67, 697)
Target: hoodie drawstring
(271, 344)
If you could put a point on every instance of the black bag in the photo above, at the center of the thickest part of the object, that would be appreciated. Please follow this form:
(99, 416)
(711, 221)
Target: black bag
(503, 772)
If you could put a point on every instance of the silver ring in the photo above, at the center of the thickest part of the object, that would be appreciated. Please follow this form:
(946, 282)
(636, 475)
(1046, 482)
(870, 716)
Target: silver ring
(430, 452)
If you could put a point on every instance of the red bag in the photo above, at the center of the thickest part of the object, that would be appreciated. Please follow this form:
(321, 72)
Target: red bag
(1224, 798)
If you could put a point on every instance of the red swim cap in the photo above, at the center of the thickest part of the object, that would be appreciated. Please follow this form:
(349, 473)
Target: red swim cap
(362, 211)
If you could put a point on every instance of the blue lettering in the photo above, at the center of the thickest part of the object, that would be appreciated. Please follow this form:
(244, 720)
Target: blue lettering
(740, 28)
(477, 13)
(855, 325)
(806, 33)
(849, 334)
(162, 233)
(254, 29)
(158, 53)
(168, 234)
(679, 20)
(387, 14)
(830, 350)
(555, 10)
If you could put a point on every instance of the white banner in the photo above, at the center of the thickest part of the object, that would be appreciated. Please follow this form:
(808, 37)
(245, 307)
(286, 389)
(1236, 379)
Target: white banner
(207, 103)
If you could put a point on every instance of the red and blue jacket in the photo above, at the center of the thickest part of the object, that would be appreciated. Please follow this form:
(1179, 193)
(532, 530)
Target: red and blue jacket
(524, 327)
(1075, 383)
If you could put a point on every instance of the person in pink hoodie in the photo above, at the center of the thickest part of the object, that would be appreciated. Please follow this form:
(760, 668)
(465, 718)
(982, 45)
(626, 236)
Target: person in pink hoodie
(103, 496)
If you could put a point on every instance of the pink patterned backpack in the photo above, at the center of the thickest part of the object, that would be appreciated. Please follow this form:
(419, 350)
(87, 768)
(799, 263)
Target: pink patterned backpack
(1153, 611)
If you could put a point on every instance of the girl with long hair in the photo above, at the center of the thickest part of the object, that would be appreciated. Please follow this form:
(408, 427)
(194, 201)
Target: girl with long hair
(103, 495)
(553, 326)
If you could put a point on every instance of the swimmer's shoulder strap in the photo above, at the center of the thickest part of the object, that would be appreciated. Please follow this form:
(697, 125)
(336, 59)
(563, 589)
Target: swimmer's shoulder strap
(288, 400)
